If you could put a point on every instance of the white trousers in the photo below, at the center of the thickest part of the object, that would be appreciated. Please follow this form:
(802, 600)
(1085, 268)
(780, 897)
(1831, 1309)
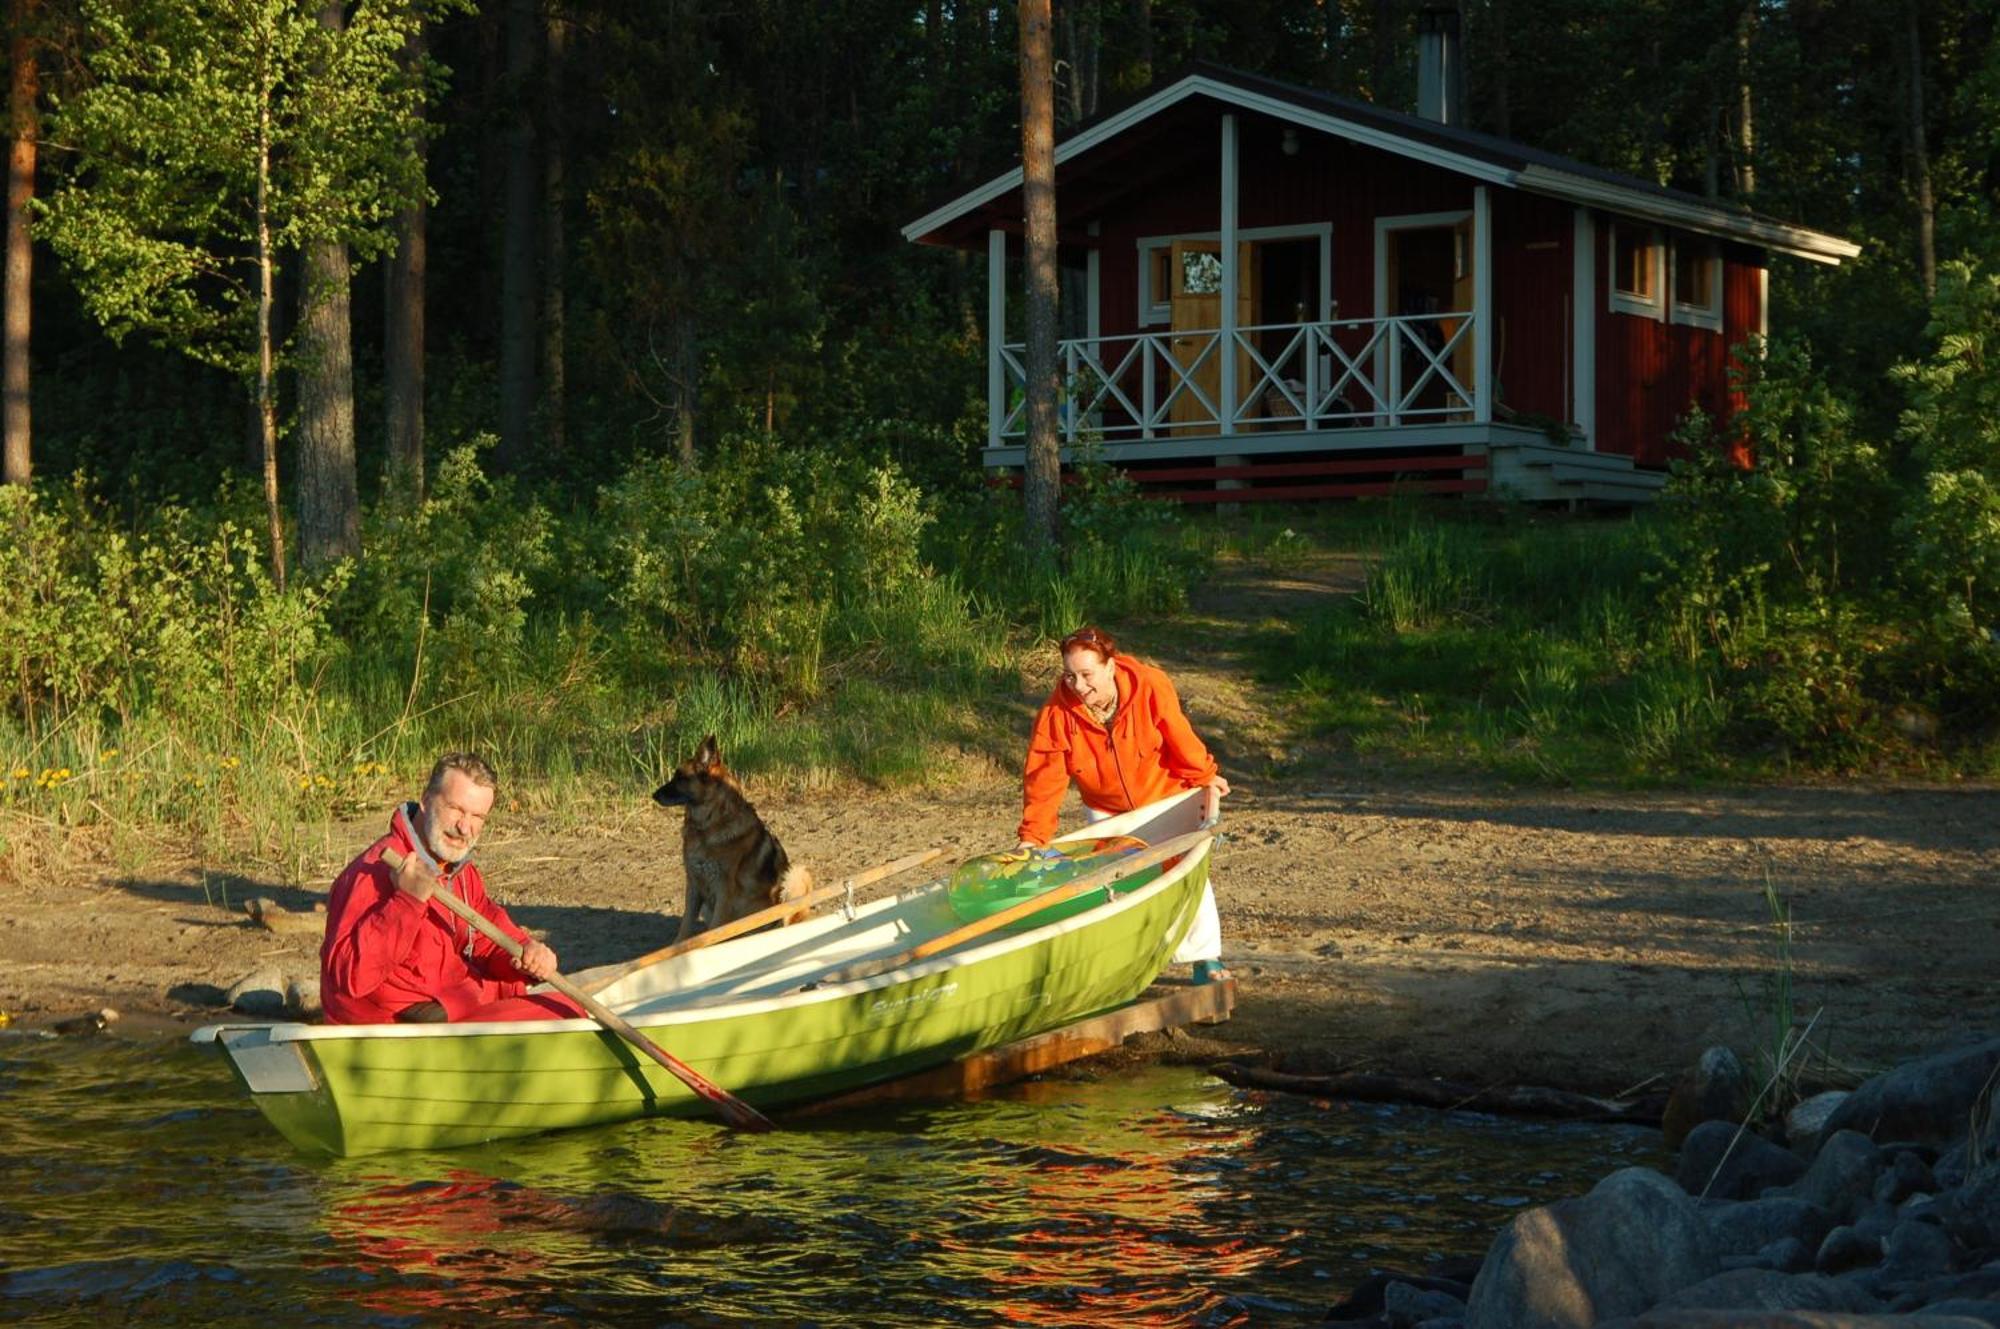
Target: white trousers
(1204, 936)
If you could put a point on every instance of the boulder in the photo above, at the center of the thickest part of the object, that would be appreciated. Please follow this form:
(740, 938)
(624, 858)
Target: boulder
(1982, 1312)
(302, 998)
(1717, 1088)
(1632, 1240)
(1403, 1305)
(1805, 1124)
(1847, 1248)
(1930, 1099)
(1713, 1319)
(260, 992)
(1723, 1162)
(1907, 1175)
(1766, 1290)
(1752, 1225)
(1842, 1175)
(1915, 1250)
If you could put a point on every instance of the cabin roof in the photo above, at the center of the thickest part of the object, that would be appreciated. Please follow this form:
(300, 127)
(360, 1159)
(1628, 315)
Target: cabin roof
(1091, 149)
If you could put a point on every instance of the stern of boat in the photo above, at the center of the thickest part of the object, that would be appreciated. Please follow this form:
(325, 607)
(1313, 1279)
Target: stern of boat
(282, 1079)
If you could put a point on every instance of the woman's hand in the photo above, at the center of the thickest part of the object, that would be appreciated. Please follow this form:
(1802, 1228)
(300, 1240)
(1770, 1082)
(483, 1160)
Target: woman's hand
(1220, 786)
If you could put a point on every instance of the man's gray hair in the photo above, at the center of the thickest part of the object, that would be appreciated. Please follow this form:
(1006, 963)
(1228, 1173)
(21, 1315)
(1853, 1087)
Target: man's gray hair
(475, 768)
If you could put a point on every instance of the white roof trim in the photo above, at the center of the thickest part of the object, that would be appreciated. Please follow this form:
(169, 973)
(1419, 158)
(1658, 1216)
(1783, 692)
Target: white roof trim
(1814, 245)
(1798, 240)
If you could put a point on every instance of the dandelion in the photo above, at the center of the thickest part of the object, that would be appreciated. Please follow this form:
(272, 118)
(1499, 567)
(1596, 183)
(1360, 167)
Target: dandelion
(20, 773)
(109, 754)
(231, 763)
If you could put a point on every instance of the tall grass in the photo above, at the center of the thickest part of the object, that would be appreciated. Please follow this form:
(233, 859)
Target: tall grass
(1523, 645)
(157, 691)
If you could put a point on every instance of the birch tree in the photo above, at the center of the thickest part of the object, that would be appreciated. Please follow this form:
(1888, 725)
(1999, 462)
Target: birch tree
(216, 137)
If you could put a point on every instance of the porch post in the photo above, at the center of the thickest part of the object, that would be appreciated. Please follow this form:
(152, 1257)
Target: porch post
(1093, 320)
(1583, 327)
(1482, 304)
(996, 335)
(1227, 347)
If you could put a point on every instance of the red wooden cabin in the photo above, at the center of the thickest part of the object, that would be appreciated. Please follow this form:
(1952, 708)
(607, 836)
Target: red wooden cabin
(1411, 303)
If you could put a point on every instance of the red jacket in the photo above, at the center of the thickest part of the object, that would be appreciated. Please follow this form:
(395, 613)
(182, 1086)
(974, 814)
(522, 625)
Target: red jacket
(1149, 753)
(385, 951)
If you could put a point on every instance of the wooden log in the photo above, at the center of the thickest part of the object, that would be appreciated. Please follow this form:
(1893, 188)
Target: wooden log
(1506, 1100)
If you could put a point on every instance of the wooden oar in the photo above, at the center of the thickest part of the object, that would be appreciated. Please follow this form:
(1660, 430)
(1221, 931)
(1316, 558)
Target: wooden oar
(728, 1106)
(751, 922)
(1069, 890)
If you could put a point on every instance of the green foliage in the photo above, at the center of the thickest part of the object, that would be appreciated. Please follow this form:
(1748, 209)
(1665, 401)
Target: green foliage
(213, 131)
(462, 563)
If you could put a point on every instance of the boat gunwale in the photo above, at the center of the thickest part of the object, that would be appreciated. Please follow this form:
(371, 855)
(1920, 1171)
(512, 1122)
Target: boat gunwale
(297, 1032)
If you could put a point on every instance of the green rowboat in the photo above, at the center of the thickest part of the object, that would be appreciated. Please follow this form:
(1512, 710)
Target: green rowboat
(740, 1012)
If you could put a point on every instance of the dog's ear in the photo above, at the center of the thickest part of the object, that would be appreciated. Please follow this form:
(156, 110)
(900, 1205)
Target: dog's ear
(708, 754)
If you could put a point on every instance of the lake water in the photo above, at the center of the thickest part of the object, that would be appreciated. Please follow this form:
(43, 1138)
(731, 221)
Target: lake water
(138, 1185)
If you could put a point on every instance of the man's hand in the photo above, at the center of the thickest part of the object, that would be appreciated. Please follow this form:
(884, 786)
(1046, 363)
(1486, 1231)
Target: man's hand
(413, 878)
(538, 961)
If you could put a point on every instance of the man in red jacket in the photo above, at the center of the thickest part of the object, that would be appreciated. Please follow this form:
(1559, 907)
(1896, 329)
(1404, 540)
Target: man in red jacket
(392, 952)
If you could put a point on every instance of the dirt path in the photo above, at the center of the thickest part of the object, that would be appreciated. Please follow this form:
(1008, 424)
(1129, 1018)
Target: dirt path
(1581, 940)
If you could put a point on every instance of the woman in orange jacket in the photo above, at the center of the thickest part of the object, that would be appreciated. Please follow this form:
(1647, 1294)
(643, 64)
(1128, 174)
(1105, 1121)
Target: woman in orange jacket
(1114, 727)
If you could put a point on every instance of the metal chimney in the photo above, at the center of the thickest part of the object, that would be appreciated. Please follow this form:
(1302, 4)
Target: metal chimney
(1440, 76)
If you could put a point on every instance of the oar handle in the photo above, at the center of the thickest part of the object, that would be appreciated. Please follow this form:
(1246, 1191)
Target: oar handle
(751, 922)
(732, 1109)
(1104, 876)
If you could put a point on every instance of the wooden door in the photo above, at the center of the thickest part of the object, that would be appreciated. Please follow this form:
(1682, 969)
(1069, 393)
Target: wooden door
(1195, 269)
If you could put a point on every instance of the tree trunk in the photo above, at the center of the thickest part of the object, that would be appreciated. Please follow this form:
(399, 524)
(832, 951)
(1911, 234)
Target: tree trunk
(16, 420)
(1142, 22)
(267, 396)
(329, 498)
(1920, 162)
(517, 257)
(1382, 51)
(554, 149)
(403, 326)
(1503, 72)
(1746, 126)
(1038, 190)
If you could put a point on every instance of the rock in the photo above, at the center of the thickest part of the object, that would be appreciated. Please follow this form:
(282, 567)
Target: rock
(273, 917)
(1717, 1088)
(1842, 1175)
(1766, 1290)
(302, 998)
(1805, 1124)
(1713, 1319)
(95, 1022)
(1718, 1162)
(1616, 1251)
(1973, 1285)
(1915, 1250)
(1752, 1225)
(1846, 1248)
(1908, 1175)
(1930, 1099)
(260, 992)
(1403, 1305)
(1980, 1312)
(1368, 1300)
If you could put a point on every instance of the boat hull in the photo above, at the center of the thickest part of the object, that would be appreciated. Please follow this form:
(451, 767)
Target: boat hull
(744, 1014)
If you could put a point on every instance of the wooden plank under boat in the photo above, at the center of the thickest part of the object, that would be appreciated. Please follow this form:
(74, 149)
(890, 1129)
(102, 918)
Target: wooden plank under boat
(741, 1013)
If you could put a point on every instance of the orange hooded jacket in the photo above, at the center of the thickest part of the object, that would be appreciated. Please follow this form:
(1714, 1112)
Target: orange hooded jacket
(1149, 753)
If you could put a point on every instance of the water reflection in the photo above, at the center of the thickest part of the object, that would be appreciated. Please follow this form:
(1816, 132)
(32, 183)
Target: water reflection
(135, 1181)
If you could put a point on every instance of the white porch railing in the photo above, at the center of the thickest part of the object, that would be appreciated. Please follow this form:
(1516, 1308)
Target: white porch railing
(1291, 377)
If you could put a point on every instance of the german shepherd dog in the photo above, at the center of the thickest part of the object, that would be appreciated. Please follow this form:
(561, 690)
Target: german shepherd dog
(735, 866)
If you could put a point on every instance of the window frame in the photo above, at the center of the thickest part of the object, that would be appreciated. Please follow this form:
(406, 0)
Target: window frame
(1630, 302)
(1709, 315)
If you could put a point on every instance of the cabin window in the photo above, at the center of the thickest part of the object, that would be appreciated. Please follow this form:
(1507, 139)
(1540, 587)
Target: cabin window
(1638, 263)
(1201, 272)
(1697, 283)
(1156, 281)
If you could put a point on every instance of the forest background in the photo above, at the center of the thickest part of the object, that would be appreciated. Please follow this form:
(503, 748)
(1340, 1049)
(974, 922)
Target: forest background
(552, 378)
